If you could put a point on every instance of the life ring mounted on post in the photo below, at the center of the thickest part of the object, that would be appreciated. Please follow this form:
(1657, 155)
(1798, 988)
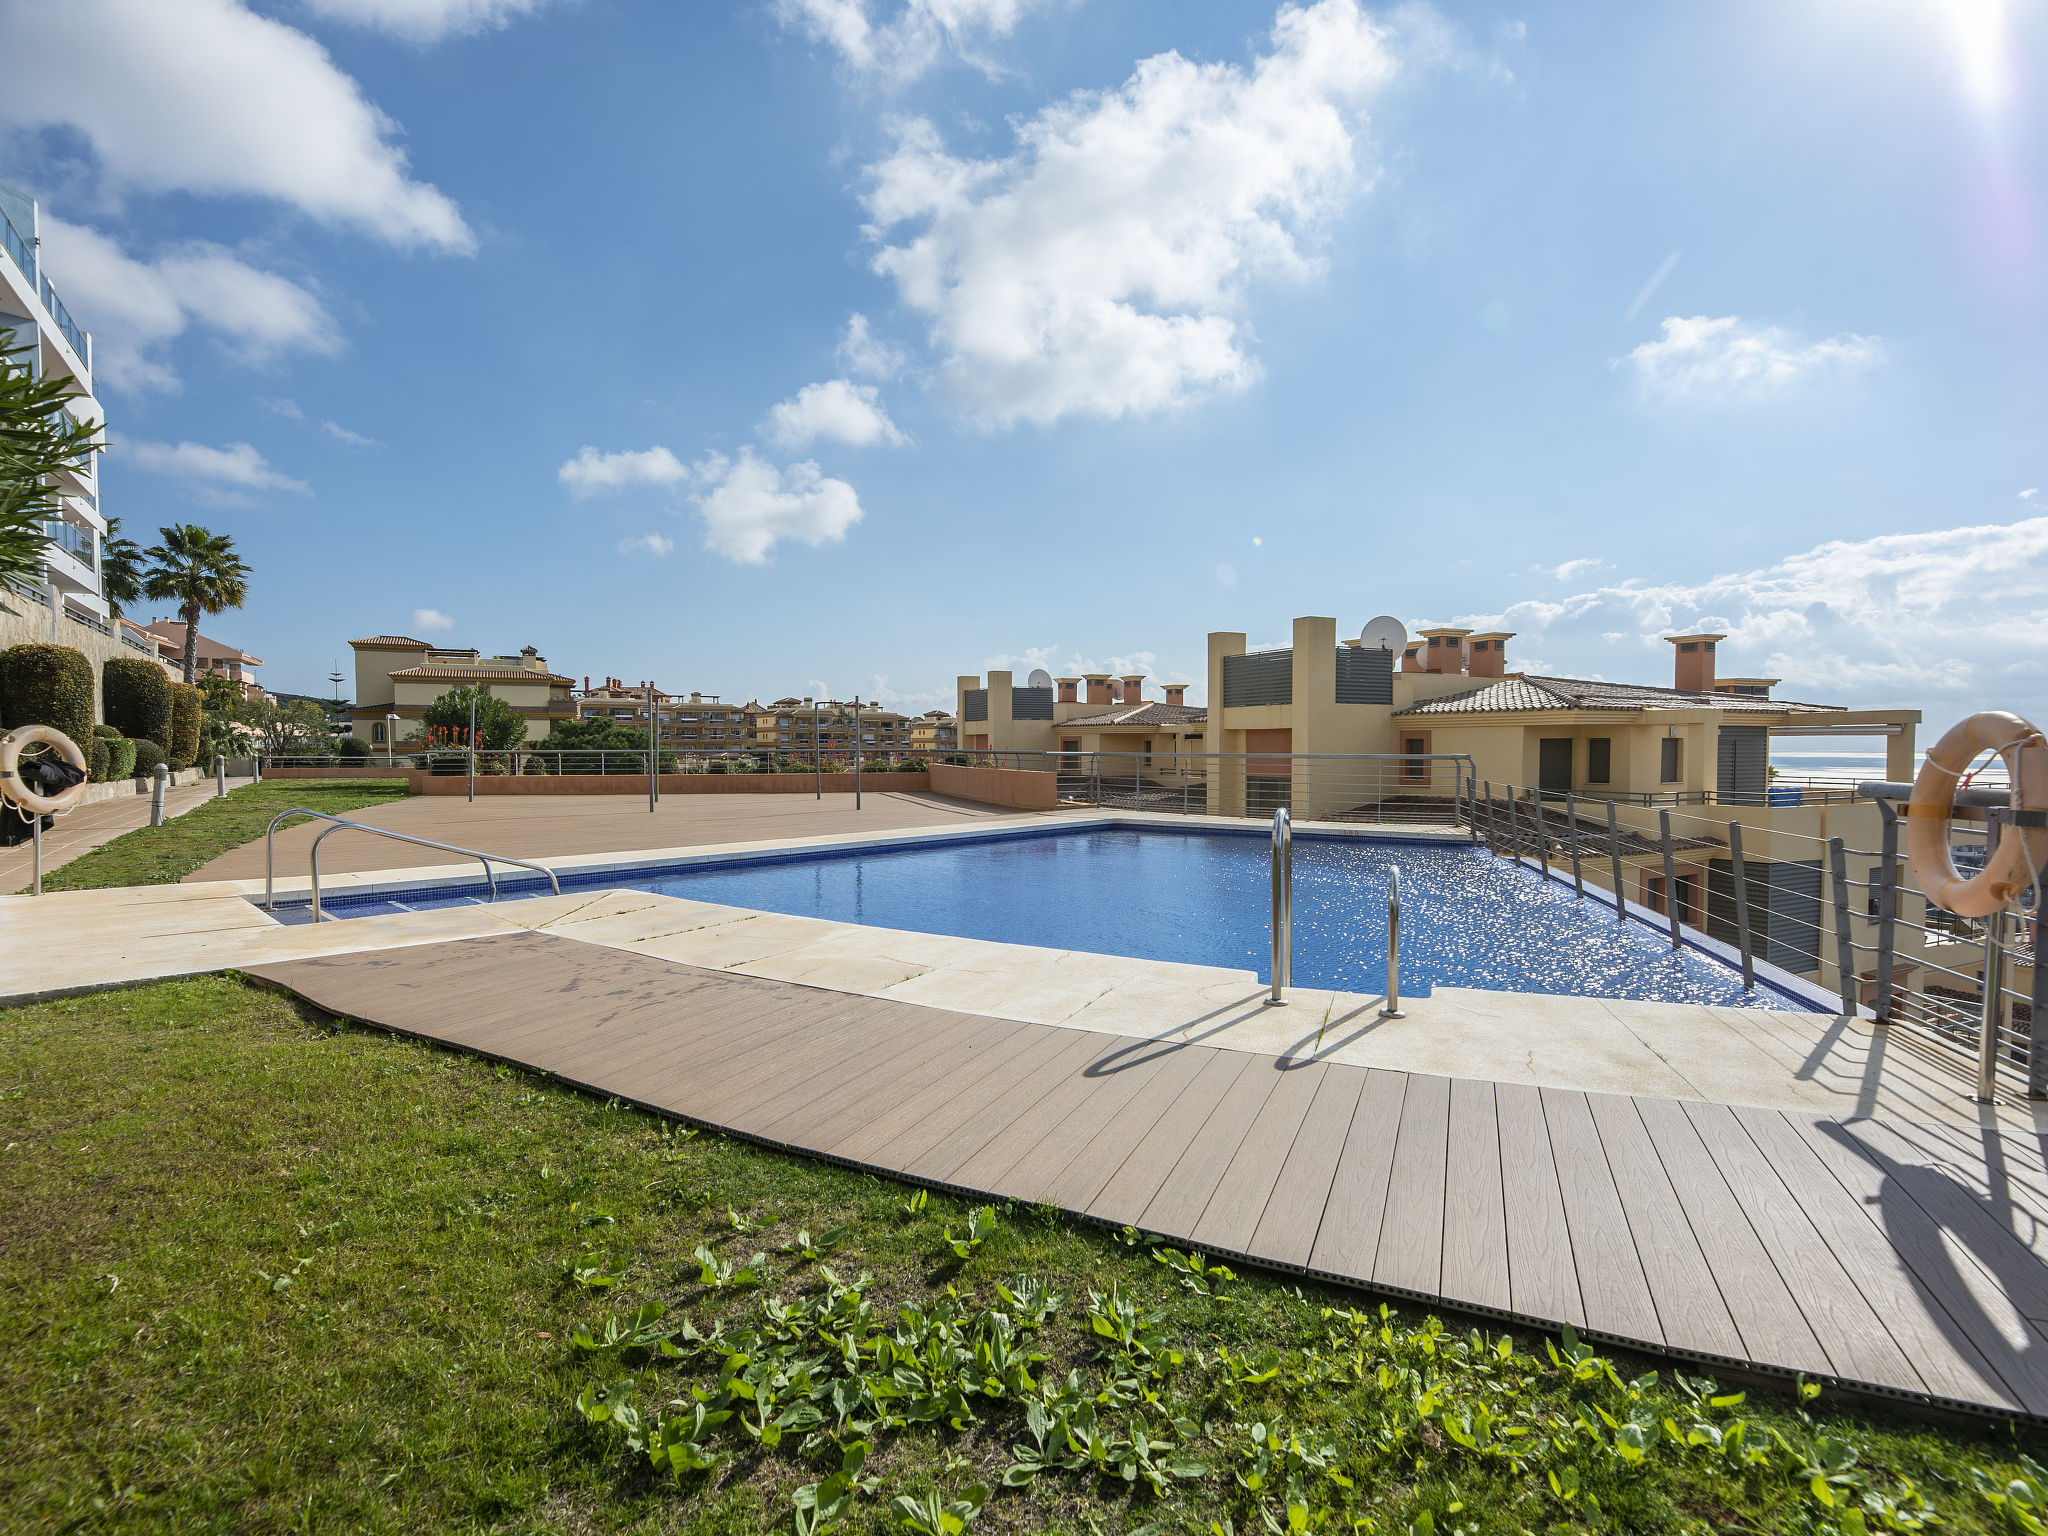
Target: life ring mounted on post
(2021, 853)
(15, 788)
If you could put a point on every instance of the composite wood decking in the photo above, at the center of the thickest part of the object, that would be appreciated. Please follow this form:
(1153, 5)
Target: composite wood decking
(1896, 1259)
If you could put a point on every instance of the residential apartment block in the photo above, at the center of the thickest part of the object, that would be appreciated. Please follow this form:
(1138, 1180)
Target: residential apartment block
(935, 731)
(699, 723)
(398, 675)
(212, 656)
(802, 725)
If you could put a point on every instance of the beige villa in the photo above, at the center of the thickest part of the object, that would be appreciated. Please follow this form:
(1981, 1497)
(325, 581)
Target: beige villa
(398, 675)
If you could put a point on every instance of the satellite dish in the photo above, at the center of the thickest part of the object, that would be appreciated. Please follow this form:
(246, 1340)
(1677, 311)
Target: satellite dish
(1040, 678)
(1385, 633)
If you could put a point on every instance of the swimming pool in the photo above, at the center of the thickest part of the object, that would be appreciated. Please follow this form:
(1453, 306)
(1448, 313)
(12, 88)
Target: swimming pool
(1468, 919)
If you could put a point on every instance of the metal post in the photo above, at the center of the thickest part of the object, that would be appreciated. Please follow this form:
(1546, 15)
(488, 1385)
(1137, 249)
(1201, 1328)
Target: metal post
(390, 740)
(856, 752)
(36, 821)
(653, 755)
(1670, 877)
(256, 764)
(1514, 824)
(1393, 1008)
(1614, 853)
(1994, 1006)
(161, 781)
(472, 749)
(220, 776)
(1845, 945)
(1542, 831)
(817, 757)
(1492, 834)
(2037, 1031)
(1888, 923)
(1571, 817)
(1283, 908)
(1742, 933)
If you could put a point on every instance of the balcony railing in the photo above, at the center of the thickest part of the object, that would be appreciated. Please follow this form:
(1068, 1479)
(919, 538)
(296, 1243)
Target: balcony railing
(79, 342)
(74, 541)
(23, 253)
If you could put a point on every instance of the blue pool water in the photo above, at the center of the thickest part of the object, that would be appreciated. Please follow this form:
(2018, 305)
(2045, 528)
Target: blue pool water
(1468, 919)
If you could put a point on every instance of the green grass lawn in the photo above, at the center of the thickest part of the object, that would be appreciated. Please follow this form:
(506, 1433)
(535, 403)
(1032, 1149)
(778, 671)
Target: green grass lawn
(161, 855)
(260, 1271)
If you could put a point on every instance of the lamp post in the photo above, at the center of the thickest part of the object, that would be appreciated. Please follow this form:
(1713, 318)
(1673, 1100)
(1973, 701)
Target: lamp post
(856, 752)
(472, 749)
(653, 755)
(390, 740)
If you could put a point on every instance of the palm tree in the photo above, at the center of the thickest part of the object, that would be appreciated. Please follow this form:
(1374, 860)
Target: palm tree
(120, 568)
(38, 437)
(201, 572)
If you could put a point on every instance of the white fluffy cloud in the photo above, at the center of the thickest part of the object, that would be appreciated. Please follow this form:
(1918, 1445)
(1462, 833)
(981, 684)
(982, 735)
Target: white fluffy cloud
(1730, 359)
(897, 42)
(591, 472)
(839, 411)
(429, 620)
(223, 475)
(206, 96)
(1101, 268)
(861, 351)
(648, 544)
(425, 21)
(136, 308)
(749, 505)
(1935, 619)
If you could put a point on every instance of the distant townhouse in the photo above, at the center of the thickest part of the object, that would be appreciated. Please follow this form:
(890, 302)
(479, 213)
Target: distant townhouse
(934, 731)
(698, 722)
(398, 675)
(212, 656)
(794, 724)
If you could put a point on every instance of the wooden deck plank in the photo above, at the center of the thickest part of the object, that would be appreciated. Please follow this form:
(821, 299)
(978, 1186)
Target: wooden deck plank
(1349, 1238)
(1131, 1186)
(1016, 1158)
(993, 1116)
(1082, 1151)
(1689, 1306)
(1766, 1314)
(1293, 1213)
(766, 1098)
(1239, 1201)
(950, 1106)
(958, 1045)
(1611, 1280)
(1792, 1207)
(1411, 1248)
(1177, 1209)
(1543, 1279)
(1475, 1259)
(1963, 1217)
(1915, 1242)
(871, 1133)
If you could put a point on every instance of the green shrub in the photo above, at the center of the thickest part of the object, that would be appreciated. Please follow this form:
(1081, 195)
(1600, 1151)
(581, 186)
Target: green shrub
(47, 685)
(135, 699)
(121, 758)
(354, 749)
(108, 732)
(147, 755)
(188, 720)
(536, 765)
(98, 758)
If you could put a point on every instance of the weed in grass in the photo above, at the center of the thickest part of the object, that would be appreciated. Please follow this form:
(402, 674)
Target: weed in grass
(980, 1223)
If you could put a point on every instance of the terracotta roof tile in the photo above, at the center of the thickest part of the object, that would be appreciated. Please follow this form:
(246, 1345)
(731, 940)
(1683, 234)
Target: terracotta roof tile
(478, 675)
(1523, 694)
(1141, 714)
(391, 643)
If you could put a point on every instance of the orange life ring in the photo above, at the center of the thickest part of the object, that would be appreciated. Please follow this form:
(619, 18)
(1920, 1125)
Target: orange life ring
(2022, 850)
(11, 785)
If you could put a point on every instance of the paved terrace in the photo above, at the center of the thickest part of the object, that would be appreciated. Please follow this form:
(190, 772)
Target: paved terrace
(1782, 1191)
(78, 832)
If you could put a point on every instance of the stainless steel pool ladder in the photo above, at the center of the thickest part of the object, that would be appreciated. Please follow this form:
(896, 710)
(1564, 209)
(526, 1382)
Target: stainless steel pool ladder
(1283, 908)
(1393, 1008)
(270, 855)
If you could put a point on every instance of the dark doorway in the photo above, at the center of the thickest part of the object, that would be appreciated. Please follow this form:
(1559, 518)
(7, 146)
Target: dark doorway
(1554, 766)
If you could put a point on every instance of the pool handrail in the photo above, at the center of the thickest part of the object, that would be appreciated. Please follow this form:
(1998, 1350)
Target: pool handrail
(339, 823)
(1393, 1007)
(1283, 908)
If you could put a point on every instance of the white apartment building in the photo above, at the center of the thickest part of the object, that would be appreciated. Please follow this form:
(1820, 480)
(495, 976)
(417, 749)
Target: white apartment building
(30, 307)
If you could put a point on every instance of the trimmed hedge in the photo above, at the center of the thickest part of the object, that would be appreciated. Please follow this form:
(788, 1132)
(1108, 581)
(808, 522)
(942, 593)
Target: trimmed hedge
(47, 685)
(147, 755)
(188, 722)
(121, 758)
(135, 699)
(98, 758)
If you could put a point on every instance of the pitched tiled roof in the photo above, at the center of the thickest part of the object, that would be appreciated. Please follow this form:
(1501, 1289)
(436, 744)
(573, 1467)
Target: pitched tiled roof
(172, 633)
(478, 675)
(1520, 695)
(1141, 714)
(391, 643)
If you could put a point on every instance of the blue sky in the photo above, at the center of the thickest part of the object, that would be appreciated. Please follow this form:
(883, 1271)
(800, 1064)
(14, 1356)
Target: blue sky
(826, 345)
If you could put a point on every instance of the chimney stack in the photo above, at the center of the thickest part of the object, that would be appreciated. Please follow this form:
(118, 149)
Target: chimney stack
(1411, 657)
(1070, 689)
(1176, 693)
(1694, 671)
(1134, 688)
(1100, 690)
(1490, 653)
(1443, 649)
